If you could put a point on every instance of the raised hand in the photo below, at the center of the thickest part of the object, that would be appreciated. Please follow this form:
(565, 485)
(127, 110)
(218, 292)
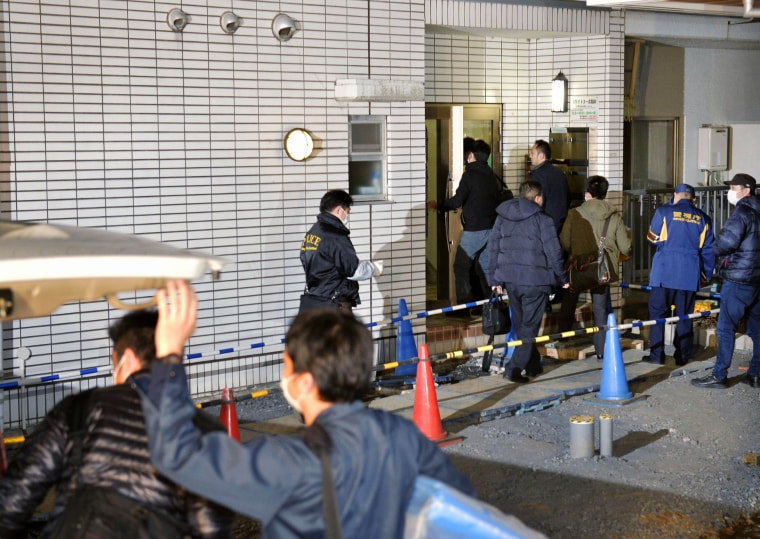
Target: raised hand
(177, 317)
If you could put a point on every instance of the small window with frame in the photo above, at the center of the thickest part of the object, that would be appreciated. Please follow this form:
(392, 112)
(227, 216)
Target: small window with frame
(367, 158)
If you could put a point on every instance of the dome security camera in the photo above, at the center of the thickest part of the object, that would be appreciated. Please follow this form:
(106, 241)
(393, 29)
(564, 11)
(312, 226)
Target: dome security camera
(229, 22)
(177, 19)
(284, 26)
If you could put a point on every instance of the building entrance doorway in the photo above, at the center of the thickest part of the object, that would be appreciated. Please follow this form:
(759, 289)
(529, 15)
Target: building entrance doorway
(445, 127)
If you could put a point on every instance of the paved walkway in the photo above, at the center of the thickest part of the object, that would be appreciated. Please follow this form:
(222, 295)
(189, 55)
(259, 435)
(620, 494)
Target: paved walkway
(491, 397)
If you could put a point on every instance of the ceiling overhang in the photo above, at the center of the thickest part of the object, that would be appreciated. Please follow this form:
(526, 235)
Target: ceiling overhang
(726, 8)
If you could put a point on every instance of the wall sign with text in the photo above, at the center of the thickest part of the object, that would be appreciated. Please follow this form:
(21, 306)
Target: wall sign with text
(584, 109)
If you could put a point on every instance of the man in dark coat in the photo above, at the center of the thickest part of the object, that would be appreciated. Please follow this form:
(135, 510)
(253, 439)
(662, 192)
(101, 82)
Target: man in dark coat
(114, 449)
(525, 257)
(329, 259)
(737, 249)
(556, 191)
(478, 194)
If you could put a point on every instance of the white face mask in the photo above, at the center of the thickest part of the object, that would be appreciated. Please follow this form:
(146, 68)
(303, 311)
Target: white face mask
(731, 196)
(294, 403)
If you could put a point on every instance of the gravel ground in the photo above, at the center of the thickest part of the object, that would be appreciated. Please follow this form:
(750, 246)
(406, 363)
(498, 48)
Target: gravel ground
(676, 470)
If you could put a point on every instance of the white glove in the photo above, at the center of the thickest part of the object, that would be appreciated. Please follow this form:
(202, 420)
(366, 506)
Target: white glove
(378, 265)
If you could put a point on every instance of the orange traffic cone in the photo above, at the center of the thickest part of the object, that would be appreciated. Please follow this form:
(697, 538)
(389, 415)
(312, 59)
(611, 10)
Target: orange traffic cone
(228, 414)
(426, 416)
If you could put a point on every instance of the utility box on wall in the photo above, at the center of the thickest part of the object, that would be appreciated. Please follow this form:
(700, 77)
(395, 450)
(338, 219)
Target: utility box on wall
(712, 151)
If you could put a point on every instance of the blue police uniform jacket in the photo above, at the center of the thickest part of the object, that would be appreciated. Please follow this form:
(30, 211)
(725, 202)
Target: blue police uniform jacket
(738, 244)
(375, 459)
(683, 235)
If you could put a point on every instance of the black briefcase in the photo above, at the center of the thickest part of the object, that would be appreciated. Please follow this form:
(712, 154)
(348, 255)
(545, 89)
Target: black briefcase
(496, 316)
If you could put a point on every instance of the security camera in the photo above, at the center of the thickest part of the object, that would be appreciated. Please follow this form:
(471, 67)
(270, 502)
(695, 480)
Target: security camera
(284, 26)
(229, 22)
(177, 19)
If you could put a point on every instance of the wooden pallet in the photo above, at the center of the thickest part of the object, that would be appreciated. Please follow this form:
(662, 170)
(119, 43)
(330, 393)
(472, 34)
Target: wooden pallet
(582, 348)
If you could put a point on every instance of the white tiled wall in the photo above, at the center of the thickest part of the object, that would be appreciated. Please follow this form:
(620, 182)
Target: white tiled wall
(114, 121)
(517, 72)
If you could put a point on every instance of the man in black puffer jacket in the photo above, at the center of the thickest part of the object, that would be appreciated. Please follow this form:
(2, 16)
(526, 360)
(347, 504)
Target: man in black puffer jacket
(738, 252)
(114, 448)
(526, 257)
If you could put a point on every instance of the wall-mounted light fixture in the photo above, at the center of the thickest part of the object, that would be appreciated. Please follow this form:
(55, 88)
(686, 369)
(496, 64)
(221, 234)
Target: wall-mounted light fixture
(559, 93)
(229, 22)
(284, 26)
(177, 19)
(299, 144)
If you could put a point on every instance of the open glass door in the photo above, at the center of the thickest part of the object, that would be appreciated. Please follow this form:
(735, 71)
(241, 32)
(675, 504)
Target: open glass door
(445, 127)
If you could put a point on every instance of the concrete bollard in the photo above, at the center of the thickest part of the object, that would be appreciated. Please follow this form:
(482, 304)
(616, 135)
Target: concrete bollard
(581, 436)
(605, 435)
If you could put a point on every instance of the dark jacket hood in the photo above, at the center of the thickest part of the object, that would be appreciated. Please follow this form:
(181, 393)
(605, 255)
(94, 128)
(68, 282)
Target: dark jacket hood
(517, 209)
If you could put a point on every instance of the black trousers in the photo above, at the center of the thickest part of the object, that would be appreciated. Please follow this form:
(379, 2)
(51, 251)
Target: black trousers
(528, 305)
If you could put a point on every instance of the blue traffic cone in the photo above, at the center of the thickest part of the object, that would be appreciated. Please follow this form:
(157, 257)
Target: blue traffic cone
(613, 390)
(614, 382)
(405, 346)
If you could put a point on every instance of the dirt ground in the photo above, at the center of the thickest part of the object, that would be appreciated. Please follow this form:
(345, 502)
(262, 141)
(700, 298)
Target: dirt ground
(676, 470)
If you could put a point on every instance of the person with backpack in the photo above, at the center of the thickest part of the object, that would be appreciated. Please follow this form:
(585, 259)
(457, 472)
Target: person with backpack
(373, 456)
(478, 194)
(92, 449)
